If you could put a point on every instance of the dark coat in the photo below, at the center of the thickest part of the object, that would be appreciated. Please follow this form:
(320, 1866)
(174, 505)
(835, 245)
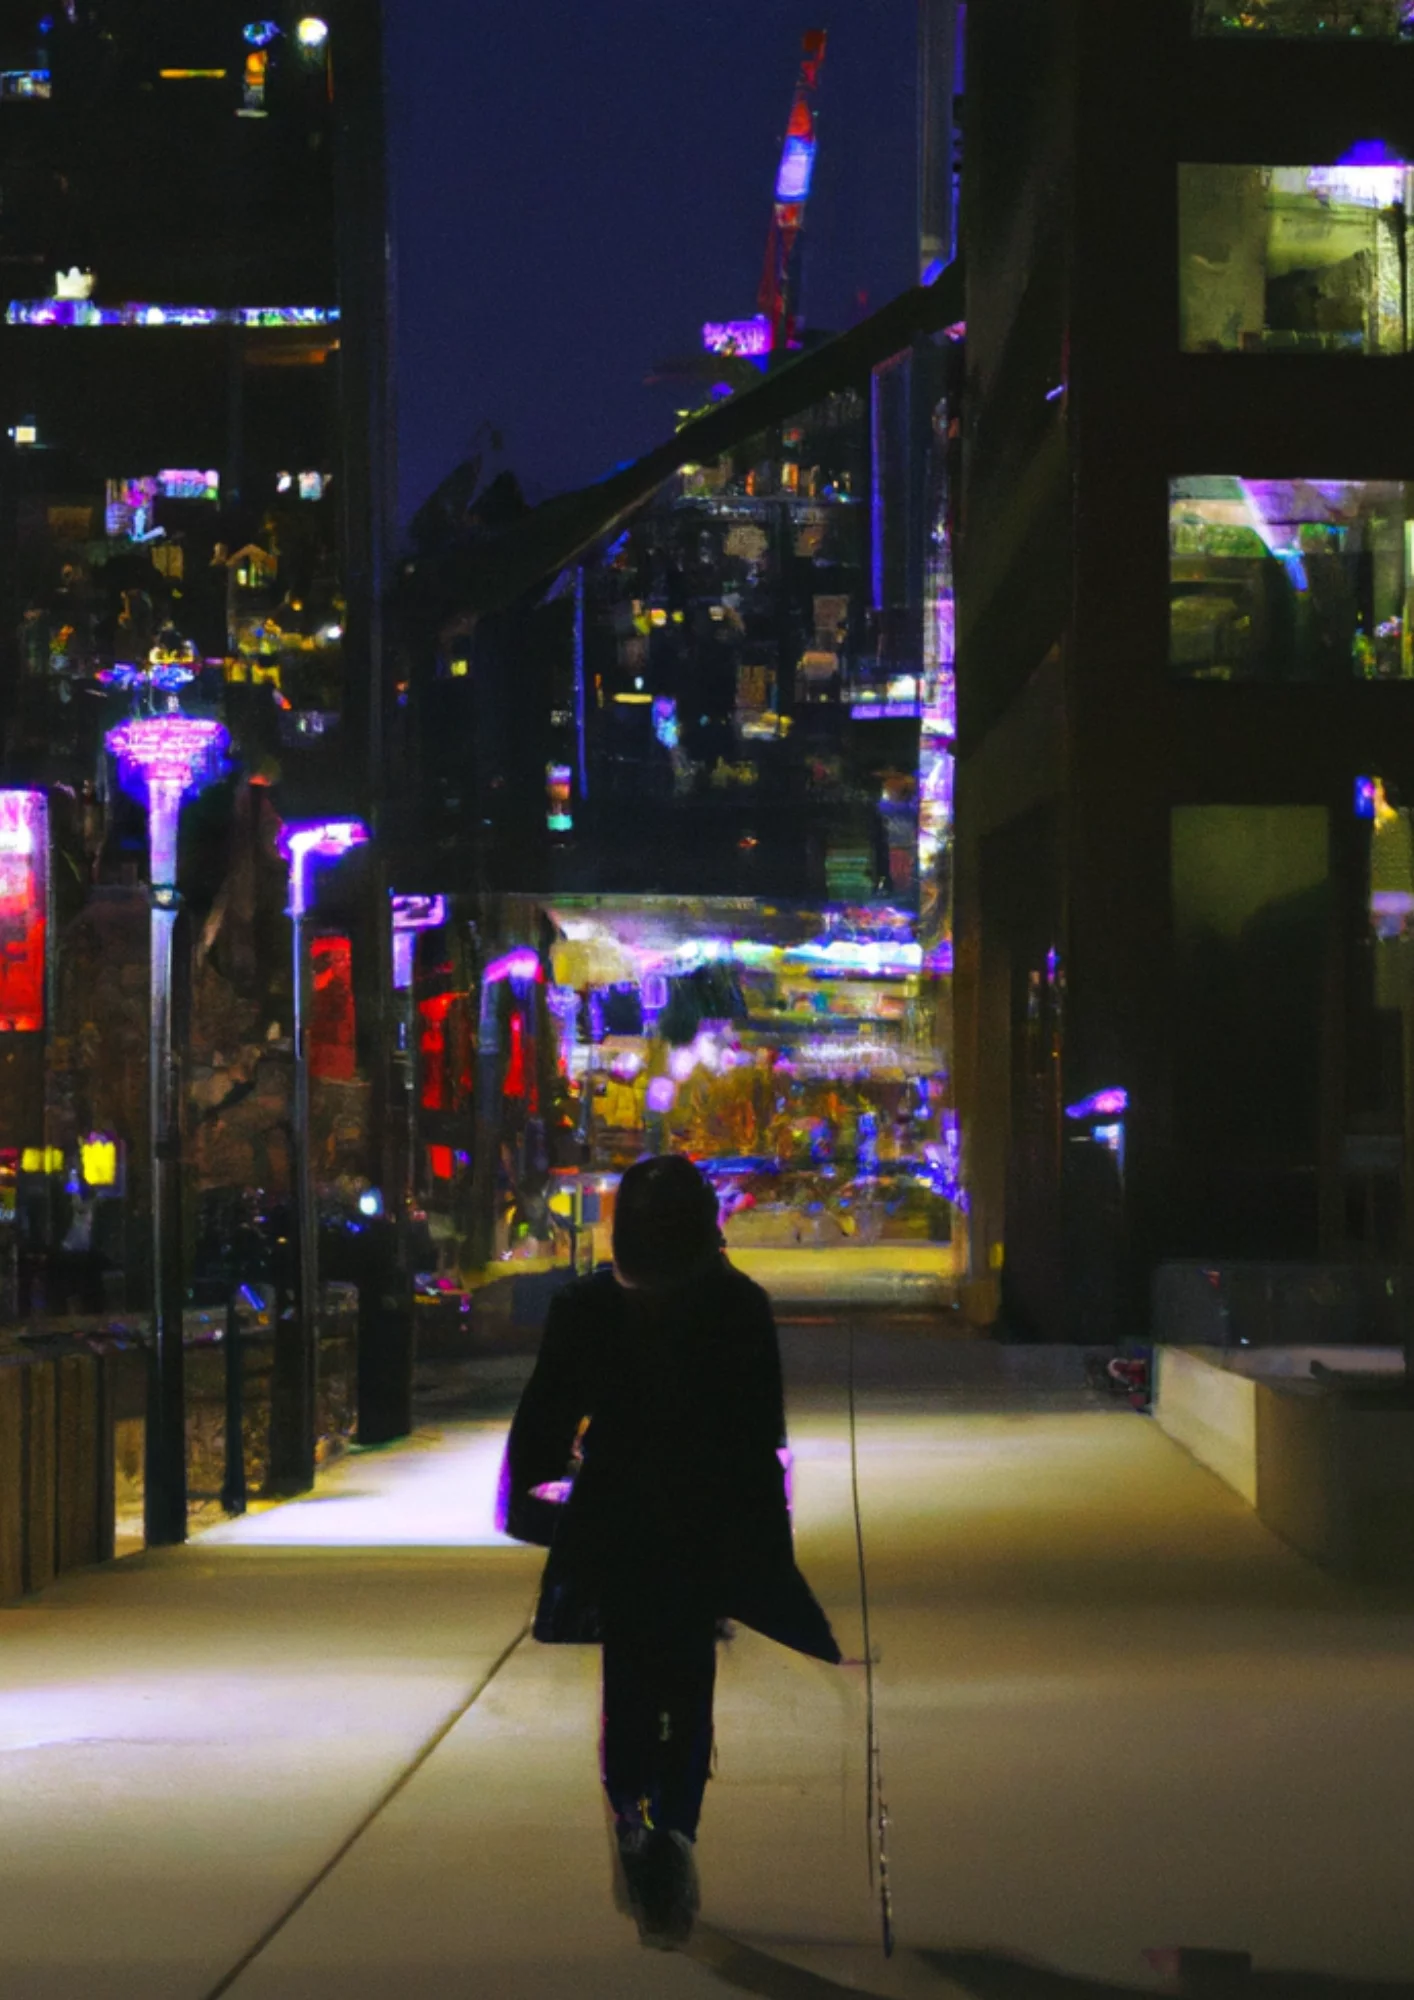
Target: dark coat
(680, 1484)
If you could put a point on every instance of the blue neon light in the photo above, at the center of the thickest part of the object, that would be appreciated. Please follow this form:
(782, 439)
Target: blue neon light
(797, 165)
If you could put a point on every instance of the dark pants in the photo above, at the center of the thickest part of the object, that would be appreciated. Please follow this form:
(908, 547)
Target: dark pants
(660, 1662)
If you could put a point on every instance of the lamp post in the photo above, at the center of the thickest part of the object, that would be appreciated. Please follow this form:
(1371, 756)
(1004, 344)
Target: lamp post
(162, 759)
(293, 1446)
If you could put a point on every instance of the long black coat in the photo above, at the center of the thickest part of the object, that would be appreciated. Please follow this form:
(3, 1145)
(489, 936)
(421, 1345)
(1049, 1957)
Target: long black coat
(680, 1480)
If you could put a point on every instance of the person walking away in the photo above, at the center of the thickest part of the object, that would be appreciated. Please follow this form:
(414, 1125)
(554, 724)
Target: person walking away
(663, 1374)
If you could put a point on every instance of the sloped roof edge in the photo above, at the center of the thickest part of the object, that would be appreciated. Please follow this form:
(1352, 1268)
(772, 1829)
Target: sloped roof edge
(498, 573)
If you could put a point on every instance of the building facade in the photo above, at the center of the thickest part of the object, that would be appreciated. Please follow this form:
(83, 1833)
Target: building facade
(1183, 575)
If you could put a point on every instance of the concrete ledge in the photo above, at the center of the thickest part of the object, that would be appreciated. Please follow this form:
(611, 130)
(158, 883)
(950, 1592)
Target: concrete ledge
(1328, 1466)
(1211, 1411)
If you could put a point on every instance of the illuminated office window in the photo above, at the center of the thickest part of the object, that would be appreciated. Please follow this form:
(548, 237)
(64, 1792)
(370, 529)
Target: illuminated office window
(1310, 259)
(1372, 20)
(1290, 579)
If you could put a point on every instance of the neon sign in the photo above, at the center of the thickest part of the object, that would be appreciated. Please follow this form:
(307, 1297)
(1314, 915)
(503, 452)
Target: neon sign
(749, 337)
(24, 897)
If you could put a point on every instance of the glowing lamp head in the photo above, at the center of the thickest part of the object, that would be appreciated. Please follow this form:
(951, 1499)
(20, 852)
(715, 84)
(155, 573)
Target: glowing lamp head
(161, 760)
(1104, 1104)
(316, 840)
(311, 33)
(522, 964)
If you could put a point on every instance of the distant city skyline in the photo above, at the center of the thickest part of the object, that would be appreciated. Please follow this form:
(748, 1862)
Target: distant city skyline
(576, 191)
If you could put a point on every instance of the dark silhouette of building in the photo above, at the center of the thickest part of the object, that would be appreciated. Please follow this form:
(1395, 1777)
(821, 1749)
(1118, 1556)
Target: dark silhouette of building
(195, 471)
(1184, 653)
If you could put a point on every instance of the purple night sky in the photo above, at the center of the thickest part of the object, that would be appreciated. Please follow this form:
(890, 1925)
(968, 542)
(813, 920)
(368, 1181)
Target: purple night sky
(577, 189)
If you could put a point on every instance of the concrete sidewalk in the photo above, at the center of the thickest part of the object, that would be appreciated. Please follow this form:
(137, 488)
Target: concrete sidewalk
(1115, 1713)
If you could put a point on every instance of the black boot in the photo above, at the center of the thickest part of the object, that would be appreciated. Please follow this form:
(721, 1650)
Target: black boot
(667, 1897)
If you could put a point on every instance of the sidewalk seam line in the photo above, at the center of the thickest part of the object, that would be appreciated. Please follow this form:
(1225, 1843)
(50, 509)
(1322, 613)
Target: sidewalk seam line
(351, 1840)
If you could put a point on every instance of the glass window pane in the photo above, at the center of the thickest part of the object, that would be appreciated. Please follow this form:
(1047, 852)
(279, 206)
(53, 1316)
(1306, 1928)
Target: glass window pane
(1294, 259)
(1290, 579)
(1375, 20)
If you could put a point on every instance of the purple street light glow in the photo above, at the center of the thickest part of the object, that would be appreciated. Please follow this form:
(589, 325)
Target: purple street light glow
(161, 759)
(747, 337)
(316, 840)
(523, 963)
(1104, 1104)
(412, 914)
(302, 843)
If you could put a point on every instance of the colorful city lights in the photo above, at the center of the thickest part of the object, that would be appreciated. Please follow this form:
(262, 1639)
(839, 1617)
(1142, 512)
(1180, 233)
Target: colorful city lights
(558, 792)
(747, 337)
(83, 312)
(311, 33)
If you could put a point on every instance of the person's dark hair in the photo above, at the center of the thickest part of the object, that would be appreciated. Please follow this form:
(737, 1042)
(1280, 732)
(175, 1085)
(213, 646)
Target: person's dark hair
(665, 1222)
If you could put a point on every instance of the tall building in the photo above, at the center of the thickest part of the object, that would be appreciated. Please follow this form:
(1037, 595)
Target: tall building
(1186, 547)
(195, 466)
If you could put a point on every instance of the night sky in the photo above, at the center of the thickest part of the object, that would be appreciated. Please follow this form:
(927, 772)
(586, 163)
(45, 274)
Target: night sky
(577, 188)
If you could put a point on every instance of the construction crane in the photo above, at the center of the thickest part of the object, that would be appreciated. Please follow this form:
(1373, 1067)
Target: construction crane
(775, 301)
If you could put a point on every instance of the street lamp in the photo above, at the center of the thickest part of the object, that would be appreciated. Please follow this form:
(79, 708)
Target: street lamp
(163, 759)
(292, 1455)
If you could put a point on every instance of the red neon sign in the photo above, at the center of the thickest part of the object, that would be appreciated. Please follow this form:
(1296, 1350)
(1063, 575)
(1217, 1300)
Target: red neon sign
(332, 1052)
(24, 902)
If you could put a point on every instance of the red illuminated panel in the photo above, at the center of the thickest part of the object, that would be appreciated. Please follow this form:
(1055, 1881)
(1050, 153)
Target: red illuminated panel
(440, 1160)
(331, 1025)
(432, 1050)
(514, 1085)
(24, 897)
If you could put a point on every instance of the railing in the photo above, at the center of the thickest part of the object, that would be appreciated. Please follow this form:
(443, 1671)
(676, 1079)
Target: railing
(57, 1483)
(73, 1398)
(1238, 1304)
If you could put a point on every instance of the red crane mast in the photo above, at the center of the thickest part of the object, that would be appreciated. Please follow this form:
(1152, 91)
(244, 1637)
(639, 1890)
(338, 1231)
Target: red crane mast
(775, 301)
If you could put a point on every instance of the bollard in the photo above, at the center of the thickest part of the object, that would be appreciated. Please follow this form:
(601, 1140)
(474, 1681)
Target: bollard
(233, 1493)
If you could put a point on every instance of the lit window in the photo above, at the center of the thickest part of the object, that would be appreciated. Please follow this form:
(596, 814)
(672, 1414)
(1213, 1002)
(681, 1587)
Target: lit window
(24, 434)
(22, 83)
(83, 312)
(182, 484)
(1295, 259)
(1372, 20)
(312, 484)
(283, 482)
(1291, 579)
